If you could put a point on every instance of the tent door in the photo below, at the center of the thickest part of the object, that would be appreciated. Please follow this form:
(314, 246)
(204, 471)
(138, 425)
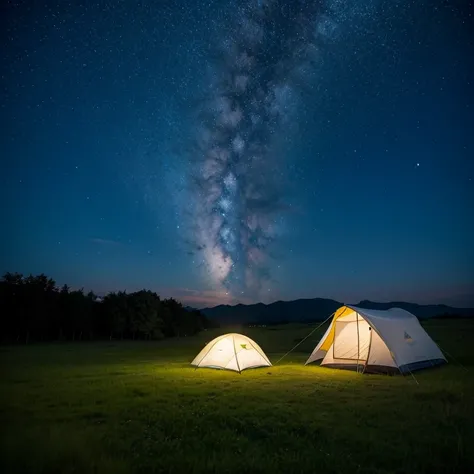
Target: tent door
(352, 340)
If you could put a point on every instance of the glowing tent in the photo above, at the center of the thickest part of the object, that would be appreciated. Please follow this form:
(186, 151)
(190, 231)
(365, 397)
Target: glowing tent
(373, 341)
(233, 352)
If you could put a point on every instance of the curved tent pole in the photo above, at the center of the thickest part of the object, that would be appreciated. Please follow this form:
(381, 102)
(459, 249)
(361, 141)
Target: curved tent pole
(262, 354)
(235, 352)
(217, 340)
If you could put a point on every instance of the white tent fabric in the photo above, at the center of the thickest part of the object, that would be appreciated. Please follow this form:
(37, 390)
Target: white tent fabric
(233, 352)
(374, 340)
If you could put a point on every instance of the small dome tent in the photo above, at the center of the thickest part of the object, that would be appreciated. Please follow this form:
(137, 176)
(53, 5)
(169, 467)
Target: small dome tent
(376, 341)
(233, 352)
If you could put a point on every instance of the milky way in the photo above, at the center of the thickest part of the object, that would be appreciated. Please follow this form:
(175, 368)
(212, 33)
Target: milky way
(268, 55)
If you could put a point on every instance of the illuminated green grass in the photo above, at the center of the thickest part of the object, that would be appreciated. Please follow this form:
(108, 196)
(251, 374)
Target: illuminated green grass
(140, 408)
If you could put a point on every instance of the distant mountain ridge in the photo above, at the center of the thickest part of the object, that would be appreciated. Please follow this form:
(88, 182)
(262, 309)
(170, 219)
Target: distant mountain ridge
(316, 309)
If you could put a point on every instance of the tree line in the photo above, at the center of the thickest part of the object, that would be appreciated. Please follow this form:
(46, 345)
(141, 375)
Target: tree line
(33, 308)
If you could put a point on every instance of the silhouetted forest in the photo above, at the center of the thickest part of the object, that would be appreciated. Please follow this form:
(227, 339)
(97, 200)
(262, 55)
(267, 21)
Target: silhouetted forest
(34, 309)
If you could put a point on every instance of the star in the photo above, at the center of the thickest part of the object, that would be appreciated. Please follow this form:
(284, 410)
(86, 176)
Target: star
(245, 135)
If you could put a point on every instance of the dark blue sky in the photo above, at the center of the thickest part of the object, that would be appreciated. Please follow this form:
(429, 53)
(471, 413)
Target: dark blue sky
(100, 106)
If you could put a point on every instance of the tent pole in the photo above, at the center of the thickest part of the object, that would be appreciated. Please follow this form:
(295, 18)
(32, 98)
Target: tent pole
(368, 351)
(218, 339)
(262, 355)
(235, 352)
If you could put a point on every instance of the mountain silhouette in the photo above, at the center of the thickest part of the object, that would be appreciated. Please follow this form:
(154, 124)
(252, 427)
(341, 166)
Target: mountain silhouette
(317, 309)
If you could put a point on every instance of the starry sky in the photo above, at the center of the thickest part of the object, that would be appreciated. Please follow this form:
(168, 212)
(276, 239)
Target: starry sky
(241, 151)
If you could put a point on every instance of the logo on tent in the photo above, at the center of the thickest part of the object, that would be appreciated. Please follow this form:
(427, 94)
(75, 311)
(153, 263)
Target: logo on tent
(407, 337)
(243, 346)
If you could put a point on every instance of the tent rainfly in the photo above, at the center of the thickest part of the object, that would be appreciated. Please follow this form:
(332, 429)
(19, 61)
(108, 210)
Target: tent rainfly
(370, 340)
(233, 352)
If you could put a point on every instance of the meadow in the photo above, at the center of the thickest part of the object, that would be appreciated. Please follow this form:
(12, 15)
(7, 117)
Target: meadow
(139, 407)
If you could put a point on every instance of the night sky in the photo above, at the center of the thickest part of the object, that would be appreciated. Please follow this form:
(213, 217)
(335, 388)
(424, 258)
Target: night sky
(241, 151)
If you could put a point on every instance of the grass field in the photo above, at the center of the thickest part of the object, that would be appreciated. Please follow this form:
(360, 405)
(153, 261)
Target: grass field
(126, 407)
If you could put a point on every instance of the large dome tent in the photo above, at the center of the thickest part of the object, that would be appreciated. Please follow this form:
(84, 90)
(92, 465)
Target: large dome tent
(376, 341)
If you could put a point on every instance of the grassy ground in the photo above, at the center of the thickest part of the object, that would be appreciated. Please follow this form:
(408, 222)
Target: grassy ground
(126, 407)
